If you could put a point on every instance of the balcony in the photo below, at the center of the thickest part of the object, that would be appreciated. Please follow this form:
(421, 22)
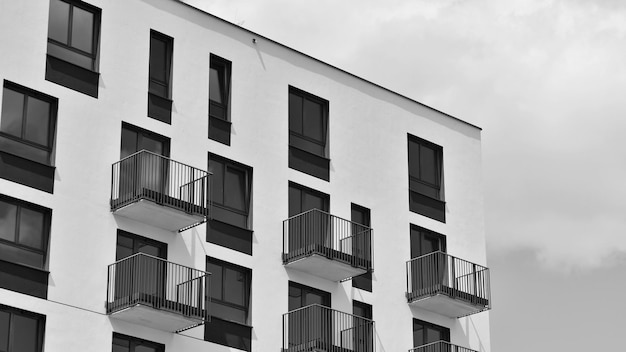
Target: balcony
(327, 246)
(440, 346)
(158, 191)
(447, 285)
(150, 291)
(319, 328)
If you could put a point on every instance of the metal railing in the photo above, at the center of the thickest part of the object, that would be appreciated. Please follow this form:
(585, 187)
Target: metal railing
(148, 280)
(146, 175)
(318, 232)
(441, 273)
(440, 346)
(316, 327)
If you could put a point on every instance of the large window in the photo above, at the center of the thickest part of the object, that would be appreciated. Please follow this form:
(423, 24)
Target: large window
(361, 215)
(424, 241)
(308, 134)
(230, 302)
(124, 343)
(302, 296)
(27, 123)
(425, 333)
(73, 38)
(21, 331)
(231, 193)
(425, 178)
(160, 68)
(219, 95)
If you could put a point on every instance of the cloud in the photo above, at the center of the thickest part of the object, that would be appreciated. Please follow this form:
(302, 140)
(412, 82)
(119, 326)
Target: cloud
(544, 78)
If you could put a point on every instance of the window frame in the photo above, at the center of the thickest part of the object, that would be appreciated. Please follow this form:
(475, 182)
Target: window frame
(438, 167)
(224, 68)
(41, 326)
(169, 55)
(45, 235)
(52, 119)
(247, 191)
(95, 40)
(247, 279)
(324, 119)
(135, 341)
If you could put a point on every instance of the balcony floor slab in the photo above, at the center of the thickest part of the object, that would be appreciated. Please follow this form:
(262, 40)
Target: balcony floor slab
(447, 306)
(165, 217)
(323, 267)
(155, 318)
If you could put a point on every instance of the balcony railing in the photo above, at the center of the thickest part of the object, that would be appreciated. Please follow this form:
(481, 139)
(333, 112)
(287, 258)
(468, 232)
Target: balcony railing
(318, 232)
(149, 176)
(315, 327)
(440, 346)
(144, 280)
(439, 273)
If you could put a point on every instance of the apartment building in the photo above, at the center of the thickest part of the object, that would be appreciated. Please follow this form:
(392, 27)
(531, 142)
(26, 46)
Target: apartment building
(170, 181)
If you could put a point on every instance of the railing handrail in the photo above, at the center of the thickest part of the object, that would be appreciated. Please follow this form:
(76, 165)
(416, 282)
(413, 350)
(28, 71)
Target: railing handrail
(437, 343)
(160, 259)
(329, 214)
(328, 308)
(447, 255)
(162, 157)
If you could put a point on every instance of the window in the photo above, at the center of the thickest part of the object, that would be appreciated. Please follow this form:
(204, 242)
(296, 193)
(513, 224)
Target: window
(425, 333)
(124, 343)
(129, 244)
(219, 95)
(363, 332)
(425, 178)
(73, 42)
(430, 272)
(230, 301)
(361, 215)
(424, 241)
(135, 139)
(231, 198)
(159, 87)
(21, 331)
(302, 296)
(302, 199)
(27, 129)
(308, 125)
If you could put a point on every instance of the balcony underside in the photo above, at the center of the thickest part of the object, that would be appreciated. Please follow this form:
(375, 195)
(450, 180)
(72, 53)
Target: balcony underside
(321, 346)
(165, 320)
(164, 216)
(326, 263)
(448, 301)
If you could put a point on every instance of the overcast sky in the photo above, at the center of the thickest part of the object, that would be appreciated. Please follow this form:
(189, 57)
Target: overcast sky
(546, 80)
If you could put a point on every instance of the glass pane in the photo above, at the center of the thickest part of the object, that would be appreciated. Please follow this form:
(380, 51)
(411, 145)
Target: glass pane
(10, 253)
(82, 30)
(215, 85)
(295, 298)
(295, 202)
(12, 112)
(129, 143)
(428, 165)
(217, 182)
(216, 280)
(31, 228)
(157, 59)
(234, 286)
(24, 150)
(122, 252)
(414, 161)
(68, 55)
(313, 298)
(228, 313)
(312, 201)
(148, 249)
(120, 345)
(432, 335)
(58, 20)
(8, 213)
(144, 348)
(418, 335)
(235, 189)
(313, 124)
(295, 113)
(150, 144)
(4, 331)
(37, 121)
(24, 336)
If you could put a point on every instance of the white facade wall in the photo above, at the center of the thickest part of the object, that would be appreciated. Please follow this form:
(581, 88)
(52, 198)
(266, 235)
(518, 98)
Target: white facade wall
(368, 129)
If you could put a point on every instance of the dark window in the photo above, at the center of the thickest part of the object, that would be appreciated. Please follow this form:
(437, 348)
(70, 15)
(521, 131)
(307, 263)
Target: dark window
(124, 343)
(302, 199)
(73, 42)
(425, 333)
(24, 232)
(135, 139)
(129, 244)
(361, 215)
(230, 302)
(424, 241)
(27, 124)
(361, 309)
(425, 178)
(363, 331)
(231, 191)
(159, 87)
(219, 95)
(302, 296)
(21, 331)
(308, 126)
